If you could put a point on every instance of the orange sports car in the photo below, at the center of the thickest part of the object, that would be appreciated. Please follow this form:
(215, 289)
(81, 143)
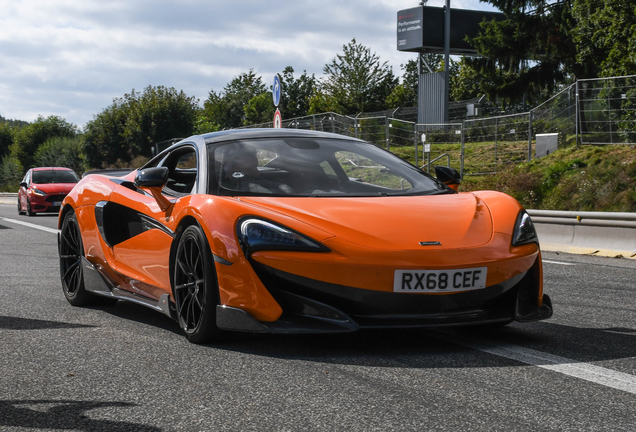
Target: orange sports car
(292, 231)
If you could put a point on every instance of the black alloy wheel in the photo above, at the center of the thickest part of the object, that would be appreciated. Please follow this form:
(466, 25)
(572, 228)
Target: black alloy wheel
(29, 212)
(71, 271)
(195, 287)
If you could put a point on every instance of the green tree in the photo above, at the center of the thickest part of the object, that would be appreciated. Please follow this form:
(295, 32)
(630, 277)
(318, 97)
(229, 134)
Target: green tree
(226, 108)
(133, 124)
(322, 103)
(530, 52)
(405, 94)
(259, 109)
(10, 173)
(27, 140)
(104, 141)
(605, 35)
(63, 152)
(6, 138)
(14, 123)
(464, 84)
(296, 93)
(202, 125)
(357, 80)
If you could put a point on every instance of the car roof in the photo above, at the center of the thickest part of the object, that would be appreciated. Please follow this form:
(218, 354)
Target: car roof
(249, 133)
(51, 169)
(269, 133)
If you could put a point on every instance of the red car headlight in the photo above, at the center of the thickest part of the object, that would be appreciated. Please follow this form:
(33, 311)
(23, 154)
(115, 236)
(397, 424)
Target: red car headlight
(38, 192)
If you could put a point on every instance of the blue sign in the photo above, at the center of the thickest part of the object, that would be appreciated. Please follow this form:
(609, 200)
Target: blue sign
(276, 90)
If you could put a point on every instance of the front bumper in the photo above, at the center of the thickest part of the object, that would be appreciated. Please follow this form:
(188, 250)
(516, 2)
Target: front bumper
(311, 306)
(46, 204)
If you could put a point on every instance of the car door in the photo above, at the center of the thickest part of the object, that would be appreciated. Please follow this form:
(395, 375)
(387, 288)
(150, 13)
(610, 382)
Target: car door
(143, 238)
(23, 193)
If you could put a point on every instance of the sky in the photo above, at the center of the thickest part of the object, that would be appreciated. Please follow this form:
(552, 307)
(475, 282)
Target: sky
(71, 58)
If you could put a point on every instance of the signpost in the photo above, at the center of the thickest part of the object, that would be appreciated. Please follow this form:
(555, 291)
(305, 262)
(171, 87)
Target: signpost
(276, 91)
(427, 152)
(427, 29)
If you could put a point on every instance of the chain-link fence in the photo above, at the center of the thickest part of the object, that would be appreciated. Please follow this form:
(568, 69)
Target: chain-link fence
(605, 109)
(557, 115)
(492, 142)
(442, 144)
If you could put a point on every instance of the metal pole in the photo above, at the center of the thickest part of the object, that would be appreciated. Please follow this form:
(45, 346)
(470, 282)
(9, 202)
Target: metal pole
(447, 13)
(461, 152)
(314, 117)
(529, 136)
(415, 142)
(609, 114)
(386, 132)
(576, 114)
(496, 128)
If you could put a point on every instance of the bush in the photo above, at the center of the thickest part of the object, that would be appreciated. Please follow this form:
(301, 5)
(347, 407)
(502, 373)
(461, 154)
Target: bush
(10, 174)
(62, 152)
(27, 140)
(133, 125)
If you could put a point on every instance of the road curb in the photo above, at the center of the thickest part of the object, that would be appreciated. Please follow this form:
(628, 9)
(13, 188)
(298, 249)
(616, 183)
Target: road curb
(608, 253)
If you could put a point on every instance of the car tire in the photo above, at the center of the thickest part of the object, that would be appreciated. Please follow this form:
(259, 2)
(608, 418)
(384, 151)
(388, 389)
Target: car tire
(29, 212)
(20, 211)
(71, 269)
(195, 288)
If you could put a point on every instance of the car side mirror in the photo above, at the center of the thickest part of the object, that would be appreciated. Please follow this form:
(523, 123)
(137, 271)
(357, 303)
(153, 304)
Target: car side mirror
(24, 185)
(154, 179)
(449, 176)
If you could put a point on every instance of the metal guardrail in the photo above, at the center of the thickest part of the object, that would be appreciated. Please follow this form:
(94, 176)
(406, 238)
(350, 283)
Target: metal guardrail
(8, 194)
(587, 232)
(584, 218)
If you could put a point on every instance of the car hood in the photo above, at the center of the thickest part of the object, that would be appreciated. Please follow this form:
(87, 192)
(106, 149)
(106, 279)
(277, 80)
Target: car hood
(454, 220)
(55, 188)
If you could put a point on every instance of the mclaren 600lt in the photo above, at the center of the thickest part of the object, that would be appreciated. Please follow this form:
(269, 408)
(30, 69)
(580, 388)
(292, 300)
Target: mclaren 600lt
(292, 231)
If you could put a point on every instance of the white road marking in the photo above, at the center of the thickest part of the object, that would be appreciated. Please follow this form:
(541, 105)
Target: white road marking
(558, 262)
(585, 371)
(30, 225)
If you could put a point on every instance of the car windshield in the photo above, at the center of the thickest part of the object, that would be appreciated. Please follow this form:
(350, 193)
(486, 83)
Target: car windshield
(313, 167)
(54, 176)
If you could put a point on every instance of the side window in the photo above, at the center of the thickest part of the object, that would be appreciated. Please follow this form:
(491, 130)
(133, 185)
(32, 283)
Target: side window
(182, 166)
(187, 161)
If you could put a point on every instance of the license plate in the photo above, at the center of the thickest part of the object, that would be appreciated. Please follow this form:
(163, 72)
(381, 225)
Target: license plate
(57, 203)
(418, 281)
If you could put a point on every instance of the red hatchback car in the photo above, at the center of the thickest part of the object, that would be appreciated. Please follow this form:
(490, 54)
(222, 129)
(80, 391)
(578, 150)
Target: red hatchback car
(44, 189)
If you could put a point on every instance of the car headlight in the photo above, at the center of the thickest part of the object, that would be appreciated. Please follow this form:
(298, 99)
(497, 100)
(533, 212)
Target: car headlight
(258, 234)
(524, 230)
(38, 192)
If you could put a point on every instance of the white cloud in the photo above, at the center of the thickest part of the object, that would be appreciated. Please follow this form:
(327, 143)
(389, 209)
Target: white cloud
(72, 57)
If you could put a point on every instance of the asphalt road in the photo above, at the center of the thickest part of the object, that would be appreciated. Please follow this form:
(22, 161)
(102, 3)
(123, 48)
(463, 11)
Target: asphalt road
(127, 368)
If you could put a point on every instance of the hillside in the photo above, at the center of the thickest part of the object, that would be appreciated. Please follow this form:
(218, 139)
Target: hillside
(588, 178)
